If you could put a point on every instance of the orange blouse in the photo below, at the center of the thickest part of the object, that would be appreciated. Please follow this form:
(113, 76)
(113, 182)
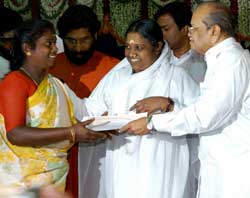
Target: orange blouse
(15, 89)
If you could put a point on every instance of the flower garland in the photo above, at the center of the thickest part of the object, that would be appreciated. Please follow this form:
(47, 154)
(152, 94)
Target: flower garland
(243, 17)
(52, 10)
(162, 2)
(89, 3)
(120, 18)
(98, 8)
(152, 8)
(17, 5)
(21, 6)
(226, 2)
(123, 13)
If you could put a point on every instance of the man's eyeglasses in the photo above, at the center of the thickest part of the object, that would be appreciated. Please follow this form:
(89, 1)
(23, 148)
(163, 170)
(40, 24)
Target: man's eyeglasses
(192, 29)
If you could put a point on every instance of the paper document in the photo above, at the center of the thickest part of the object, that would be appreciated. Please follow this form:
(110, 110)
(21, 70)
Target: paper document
(104, 123)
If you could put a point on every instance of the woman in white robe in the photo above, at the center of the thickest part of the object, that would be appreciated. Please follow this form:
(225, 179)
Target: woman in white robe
(150, 166)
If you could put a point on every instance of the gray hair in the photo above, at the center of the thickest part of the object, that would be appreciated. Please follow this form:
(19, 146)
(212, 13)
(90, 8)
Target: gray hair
(220, 15)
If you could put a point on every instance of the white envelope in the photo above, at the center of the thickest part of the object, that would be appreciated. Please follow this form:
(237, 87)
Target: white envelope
(104, 123)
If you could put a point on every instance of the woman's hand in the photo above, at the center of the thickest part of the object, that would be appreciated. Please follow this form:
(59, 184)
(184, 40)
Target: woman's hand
(51, 192)
(136, 127)
(85, 135)
(153, 104)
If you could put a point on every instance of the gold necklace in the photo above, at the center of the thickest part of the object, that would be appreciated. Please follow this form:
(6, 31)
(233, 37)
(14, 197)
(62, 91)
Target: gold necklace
(28, 74)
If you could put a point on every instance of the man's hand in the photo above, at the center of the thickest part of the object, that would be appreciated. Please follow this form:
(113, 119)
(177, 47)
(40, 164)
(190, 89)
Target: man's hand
(136, 127)
(153, 104)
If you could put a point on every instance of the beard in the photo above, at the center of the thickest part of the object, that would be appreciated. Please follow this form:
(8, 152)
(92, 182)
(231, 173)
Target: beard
(79, 58)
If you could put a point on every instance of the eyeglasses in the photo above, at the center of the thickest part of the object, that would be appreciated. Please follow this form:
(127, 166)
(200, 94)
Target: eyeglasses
(82, 41)
(192, 29)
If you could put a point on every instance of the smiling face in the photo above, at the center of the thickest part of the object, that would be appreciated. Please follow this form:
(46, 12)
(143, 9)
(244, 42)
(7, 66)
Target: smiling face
(45, 51)
(139, 52)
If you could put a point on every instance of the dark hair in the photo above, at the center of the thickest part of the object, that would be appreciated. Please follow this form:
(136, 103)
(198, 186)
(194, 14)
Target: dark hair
(29, 32)
(76, 17)
(149, 29)
(9, 20)
(220, 15)
(180, 12)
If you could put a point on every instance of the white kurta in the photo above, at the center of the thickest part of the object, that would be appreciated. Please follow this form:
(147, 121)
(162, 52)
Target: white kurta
(222, 116)
(193, 63)
(151, 166)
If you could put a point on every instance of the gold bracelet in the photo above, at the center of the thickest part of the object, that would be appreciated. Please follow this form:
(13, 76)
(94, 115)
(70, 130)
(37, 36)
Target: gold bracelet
(73, 135)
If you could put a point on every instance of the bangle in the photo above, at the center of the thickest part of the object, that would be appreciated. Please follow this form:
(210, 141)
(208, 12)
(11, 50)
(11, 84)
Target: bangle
(73, 135)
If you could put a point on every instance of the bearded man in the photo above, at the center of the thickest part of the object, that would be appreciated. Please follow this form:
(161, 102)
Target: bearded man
(80, 66)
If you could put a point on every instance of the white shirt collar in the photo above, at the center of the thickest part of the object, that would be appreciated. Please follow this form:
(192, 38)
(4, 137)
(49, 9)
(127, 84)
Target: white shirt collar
(178, 61)
(215, 51)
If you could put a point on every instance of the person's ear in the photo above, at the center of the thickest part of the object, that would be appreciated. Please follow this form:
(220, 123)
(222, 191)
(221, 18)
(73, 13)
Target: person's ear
(216, 33)
(159, 47)
(185, 30)
(26, 49)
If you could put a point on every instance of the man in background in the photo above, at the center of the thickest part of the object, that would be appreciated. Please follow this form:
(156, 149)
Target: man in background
(80, 66)
(9, 21)
(174, 20)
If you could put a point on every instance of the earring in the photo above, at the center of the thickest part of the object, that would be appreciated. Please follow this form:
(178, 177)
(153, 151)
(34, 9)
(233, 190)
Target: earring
(28, 53)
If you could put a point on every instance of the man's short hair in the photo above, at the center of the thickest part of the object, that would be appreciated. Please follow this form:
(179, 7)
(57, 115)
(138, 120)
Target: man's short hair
(220, 15)
(76, 17)
(180, 12)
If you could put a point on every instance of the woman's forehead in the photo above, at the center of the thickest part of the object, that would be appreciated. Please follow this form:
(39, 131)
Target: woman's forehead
(135, 37)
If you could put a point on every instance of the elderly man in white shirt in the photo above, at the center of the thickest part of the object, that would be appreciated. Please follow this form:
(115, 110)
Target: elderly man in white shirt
(221, 115)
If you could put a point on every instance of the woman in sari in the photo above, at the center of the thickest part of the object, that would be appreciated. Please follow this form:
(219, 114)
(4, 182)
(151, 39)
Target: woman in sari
(151, 166)
(38, 122)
